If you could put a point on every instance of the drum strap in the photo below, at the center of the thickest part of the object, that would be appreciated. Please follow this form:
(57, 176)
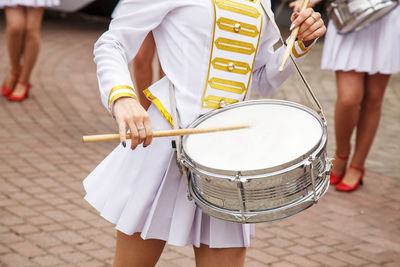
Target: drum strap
(317, 106)
(178, 139)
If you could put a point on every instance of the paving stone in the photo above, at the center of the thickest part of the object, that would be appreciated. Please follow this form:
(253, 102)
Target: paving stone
(57, 250)
(4, 249)
(301, 250)
(24, 229)
(275, 251)
(101, 254)
(47, 260)
(43, 240)
(75, 257)
(7, 238)
(27, 249)
(39, 220)
(52, 227)
(350, 260)
(327, 260)
(21, 211)
(93, 263)
(69, 237)
(281, 264)
(301, 261)
(260, 256)
(14, 259)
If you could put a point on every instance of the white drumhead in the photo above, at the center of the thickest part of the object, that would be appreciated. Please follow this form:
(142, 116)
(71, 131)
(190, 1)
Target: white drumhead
(278, 134)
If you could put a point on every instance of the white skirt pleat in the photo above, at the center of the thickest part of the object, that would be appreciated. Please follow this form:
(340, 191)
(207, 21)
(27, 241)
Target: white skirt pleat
(30, 3)
(143, 191)
(373, 49)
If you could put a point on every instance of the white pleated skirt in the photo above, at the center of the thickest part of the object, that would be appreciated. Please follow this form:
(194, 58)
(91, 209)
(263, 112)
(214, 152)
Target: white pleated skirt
(29, 3)
(374, 49)
(143, 191)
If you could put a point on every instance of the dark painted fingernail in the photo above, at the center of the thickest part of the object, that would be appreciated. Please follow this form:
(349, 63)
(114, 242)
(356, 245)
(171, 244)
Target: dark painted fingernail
(144, 146)
(123, 143)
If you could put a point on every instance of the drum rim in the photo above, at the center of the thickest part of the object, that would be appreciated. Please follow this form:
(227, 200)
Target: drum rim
(319, 145)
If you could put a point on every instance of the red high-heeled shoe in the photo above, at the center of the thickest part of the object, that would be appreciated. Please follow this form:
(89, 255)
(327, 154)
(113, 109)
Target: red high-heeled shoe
(5, 91)
(347, 188)
(336, 178)
(24, 95)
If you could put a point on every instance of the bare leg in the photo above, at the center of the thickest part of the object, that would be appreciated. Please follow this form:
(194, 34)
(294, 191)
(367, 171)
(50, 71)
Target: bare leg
(219, 257)
(31, 48)
(134, 251)
(350, 88)
(367, 124)
(15, 30)
(143, 69)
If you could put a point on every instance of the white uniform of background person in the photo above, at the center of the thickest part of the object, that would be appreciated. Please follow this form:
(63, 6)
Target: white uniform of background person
(29, 3)
(142, 190)
(372, 49)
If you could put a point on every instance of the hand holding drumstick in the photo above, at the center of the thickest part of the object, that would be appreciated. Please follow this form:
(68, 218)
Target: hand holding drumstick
(129, 114)
(307, 26)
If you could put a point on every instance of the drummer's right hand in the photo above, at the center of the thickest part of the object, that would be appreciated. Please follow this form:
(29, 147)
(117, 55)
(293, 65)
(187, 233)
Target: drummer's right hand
(130, 114)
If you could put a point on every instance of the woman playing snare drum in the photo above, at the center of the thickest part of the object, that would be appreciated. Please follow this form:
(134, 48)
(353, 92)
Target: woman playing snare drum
(213, 52)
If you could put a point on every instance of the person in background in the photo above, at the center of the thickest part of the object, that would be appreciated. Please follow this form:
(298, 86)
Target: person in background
(23, 22)
(363, 62)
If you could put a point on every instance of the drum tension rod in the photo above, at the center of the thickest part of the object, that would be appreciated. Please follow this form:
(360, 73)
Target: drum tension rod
(312, 175)
(241, 195)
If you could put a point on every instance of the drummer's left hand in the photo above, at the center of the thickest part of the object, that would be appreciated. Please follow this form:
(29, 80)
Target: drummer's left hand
(311, 25)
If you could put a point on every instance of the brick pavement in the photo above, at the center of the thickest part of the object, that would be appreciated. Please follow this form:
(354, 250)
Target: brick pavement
(45, 222)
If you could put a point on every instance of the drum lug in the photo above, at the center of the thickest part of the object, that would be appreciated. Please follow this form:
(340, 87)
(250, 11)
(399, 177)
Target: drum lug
(188, 193)
(238, 178)
(183, 167)
(313, 165)
(328, 166)
(184, 163)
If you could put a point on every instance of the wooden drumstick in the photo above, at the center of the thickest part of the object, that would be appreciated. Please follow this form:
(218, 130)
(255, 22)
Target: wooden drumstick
(292, 38)
(178, 132)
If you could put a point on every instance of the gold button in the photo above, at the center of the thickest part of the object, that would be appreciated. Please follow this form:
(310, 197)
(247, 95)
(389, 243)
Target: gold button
(237, 27)
(222, 103)
(231, 66)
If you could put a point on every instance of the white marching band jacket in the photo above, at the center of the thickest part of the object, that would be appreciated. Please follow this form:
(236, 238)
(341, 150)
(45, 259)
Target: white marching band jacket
(213, 51)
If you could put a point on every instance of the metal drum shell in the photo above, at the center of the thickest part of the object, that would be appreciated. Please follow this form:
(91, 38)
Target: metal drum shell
(266, 215)
(353, 15)
(266, 191)
(261, 192)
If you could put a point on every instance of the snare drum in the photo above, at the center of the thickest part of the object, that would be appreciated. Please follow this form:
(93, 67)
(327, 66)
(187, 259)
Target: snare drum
(349, 15)
(273, 170)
